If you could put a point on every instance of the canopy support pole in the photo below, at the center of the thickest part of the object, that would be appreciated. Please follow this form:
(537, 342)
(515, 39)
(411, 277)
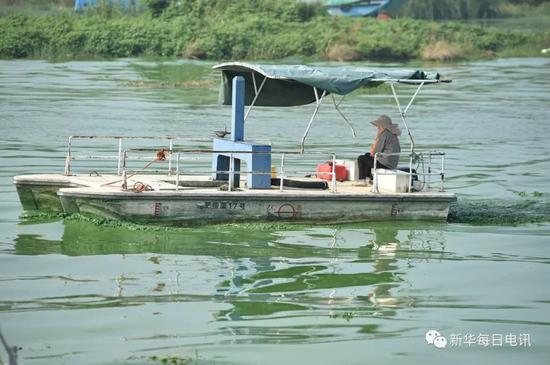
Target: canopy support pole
(337, 107)
(403, 112)
(256, 94)
(413, 97)
(318, 101)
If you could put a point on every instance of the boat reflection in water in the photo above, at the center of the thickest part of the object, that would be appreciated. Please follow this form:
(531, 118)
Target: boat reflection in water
(349, 272)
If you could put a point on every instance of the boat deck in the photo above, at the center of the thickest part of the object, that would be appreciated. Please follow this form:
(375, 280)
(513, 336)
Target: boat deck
(163, 185)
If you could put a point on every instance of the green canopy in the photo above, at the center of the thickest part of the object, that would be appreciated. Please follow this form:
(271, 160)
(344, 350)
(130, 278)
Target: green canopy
(289, 85)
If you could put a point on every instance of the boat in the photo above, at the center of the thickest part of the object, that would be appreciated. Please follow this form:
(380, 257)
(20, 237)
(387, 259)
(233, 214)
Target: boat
(363, 7)
(82, 5)
(236, 179)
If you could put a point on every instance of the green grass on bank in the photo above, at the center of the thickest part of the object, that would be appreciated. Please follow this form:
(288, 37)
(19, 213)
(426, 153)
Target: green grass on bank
(254, 30)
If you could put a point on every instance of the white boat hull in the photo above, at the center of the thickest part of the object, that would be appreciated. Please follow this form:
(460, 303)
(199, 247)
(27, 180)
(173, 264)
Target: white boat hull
(94, 196)
(192, 208)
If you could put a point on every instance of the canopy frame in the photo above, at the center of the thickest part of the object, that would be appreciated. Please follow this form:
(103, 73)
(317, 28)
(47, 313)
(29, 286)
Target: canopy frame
(417, 78)
(318, 102)
(337, 107)
(257, 92)
(403, 113)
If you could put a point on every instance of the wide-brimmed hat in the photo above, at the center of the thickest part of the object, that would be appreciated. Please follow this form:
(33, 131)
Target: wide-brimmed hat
(385, 122)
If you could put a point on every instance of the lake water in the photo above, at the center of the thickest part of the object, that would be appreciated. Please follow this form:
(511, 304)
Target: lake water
(77, 292)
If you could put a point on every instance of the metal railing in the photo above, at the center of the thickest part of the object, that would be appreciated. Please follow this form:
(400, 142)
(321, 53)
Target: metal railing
(417, 158)
(232, 172)
(119, 139)
(425, 160)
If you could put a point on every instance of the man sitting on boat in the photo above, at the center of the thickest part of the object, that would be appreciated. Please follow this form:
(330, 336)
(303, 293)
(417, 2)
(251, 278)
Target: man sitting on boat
(386, 141)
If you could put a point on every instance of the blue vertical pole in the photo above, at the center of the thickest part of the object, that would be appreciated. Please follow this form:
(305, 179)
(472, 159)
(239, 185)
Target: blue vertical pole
(237, 121)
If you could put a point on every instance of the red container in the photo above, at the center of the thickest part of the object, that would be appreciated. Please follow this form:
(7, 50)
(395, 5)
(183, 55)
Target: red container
(324, 171)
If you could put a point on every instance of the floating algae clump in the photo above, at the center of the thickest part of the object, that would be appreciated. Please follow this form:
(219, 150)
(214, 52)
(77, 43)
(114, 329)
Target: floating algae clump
(36, 217)
(256, 226)
(476, 212)
(500, 212)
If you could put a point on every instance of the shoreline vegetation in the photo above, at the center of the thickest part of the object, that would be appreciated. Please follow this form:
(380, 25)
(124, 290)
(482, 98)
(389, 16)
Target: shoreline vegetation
(255, 30)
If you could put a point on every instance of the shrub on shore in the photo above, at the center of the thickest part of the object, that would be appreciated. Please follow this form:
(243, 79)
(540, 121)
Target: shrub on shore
(443, 51)
(342, 52)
